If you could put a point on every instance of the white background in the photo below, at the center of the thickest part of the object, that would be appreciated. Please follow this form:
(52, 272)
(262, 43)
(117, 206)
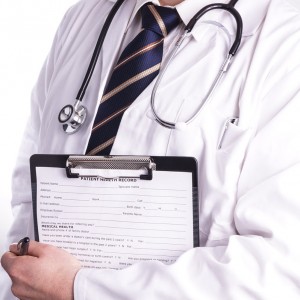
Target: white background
(27, 29)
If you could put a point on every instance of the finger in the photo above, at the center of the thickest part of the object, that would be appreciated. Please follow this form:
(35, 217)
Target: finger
(7, 259)
(14, 248)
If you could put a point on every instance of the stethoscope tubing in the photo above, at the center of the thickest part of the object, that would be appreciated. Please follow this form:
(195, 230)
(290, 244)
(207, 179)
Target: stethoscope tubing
(72, 117)
(98, 47)
(232, 11)
(223, 69)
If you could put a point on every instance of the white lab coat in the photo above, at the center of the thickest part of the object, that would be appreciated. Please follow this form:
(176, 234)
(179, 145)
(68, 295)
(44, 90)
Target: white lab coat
(249, 189)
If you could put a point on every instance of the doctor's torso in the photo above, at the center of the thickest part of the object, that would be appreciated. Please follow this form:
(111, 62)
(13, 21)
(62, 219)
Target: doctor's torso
(180, 94)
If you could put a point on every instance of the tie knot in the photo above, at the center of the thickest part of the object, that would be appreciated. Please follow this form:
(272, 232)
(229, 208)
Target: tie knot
(159, 19)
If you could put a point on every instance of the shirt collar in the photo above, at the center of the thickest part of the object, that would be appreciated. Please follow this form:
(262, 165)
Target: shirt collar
(138, 5)
(252, 13)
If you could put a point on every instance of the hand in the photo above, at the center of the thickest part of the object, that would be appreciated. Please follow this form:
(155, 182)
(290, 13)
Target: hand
(45, 273)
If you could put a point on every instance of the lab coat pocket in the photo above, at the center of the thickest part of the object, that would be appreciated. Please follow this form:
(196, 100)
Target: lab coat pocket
(231, 136)
(231, 150)
(223, 172)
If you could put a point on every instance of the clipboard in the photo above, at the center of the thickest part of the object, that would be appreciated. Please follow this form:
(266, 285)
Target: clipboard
(126, 172)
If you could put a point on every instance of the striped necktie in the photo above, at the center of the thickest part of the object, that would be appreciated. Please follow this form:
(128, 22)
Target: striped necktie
(137, 66)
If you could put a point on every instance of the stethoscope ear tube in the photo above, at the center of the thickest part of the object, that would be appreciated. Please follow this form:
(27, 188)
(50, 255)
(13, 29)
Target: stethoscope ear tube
(234, 13)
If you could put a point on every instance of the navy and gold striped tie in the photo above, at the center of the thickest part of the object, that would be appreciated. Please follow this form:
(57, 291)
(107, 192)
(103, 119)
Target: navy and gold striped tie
(138, 65)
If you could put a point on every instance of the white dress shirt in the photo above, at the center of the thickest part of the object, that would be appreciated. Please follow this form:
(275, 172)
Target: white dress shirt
(248, 189)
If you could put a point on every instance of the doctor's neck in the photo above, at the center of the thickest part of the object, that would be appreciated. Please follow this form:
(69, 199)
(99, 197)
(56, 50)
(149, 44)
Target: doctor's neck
(170, 2)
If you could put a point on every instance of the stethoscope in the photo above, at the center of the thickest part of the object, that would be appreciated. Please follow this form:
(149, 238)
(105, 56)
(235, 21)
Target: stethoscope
(73, 116)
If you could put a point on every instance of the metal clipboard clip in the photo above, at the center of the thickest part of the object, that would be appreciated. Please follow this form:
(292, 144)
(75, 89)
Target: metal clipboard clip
(144, 163)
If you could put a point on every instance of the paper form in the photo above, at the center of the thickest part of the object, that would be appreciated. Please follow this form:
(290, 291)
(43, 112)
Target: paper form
(113, 223)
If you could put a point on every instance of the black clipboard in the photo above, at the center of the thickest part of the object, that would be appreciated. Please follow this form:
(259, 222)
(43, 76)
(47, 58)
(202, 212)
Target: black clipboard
(150, 163)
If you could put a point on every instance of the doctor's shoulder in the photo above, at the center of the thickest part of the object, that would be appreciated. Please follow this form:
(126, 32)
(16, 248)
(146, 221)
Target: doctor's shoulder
(82, 16)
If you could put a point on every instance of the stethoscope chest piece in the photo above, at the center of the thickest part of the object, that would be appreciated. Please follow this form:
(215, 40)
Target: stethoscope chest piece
(72, 117)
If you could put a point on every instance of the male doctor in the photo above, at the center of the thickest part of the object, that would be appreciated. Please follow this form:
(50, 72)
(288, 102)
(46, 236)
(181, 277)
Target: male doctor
(249, 184)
